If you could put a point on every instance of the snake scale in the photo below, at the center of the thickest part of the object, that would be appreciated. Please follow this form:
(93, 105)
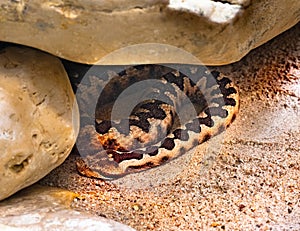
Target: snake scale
(178, 110)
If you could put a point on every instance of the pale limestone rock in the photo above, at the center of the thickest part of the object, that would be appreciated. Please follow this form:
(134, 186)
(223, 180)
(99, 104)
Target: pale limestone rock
(33, 209)
(38, 117)
(216, 32)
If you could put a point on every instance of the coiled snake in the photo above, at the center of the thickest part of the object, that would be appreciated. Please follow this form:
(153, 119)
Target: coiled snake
(177, 110)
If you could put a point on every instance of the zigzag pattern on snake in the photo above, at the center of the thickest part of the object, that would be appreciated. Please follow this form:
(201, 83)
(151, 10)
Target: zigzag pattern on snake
(177, 110)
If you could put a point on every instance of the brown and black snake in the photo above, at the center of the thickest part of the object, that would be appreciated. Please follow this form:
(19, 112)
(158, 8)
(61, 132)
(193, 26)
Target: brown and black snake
(165, 112)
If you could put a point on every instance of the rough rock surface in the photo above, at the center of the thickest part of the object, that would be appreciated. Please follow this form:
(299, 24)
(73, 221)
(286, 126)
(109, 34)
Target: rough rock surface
(216, 32)
(33, 209)
(38, 117)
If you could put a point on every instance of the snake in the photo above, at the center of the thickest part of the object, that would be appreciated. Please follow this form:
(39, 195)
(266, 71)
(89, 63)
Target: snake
(165, 112)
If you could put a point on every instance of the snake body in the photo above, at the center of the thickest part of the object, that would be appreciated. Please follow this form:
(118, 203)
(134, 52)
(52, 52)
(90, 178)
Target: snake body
(161, 127)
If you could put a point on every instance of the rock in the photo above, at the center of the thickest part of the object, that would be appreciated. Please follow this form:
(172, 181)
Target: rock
(33, 209)
(38, 117)
(216, 32)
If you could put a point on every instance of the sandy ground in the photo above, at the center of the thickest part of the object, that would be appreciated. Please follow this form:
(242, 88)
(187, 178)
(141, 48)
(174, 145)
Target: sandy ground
(250, 181)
